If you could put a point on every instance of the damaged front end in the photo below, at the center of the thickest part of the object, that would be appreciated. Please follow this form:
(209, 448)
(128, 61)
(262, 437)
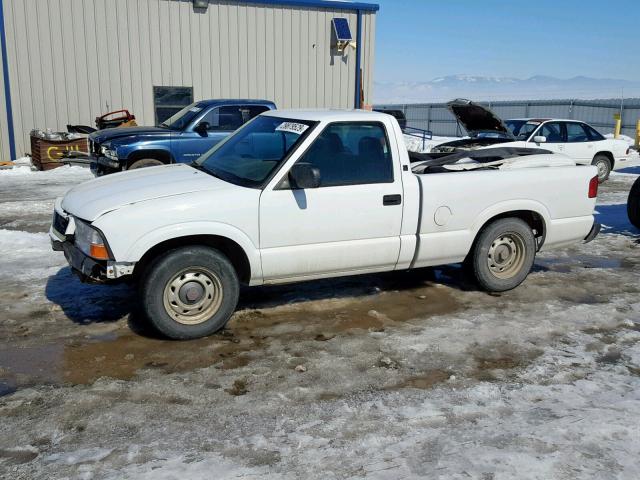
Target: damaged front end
(85, 249)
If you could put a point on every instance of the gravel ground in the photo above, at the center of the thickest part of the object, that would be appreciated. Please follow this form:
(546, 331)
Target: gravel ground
(382, 376)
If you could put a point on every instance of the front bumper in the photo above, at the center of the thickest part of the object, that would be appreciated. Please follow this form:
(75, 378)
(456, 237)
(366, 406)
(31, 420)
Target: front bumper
(100, 166)
(88, 269)
(595, 230)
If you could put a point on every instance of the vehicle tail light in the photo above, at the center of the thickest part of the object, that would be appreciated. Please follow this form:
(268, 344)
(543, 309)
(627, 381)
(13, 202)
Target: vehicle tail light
(593, 187)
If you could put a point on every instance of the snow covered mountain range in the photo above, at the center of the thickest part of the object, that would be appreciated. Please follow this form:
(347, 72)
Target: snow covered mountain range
(503, 88)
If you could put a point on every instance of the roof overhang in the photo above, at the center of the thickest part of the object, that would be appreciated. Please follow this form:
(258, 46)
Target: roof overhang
(328, 4)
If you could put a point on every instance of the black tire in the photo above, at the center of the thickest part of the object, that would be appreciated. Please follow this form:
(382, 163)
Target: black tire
(507, 237)
(633, 204)
(145, 162)
(604, 166)
(168, 286)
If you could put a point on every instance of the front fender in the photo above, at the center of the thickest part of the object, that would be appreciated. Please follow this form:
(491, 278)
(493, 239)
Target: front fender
(171, 232)
(150, 149)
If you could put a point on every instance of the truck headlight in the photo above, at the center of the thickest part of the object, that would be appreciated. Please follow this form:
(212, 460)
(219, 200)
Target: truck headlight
(90, 241)
(110, 154)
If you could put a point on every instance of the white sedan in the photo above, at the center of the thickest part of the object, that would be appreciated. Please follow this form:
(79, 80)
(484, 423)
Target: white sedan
(576, 139)
(573, 138)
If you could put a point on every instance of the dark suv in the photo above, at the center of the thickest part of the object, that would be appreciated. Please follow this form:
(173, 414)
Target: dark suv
(183, 137)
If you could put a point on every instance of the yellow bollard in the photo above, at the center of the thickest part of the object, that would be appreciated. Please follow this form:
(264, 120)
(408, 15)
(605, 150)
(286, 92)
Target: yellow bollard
(618, 119)
(638, 134)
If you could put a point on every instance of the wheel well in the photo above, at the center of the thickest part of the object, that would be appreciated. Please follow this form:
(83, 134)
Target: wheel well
(609, 155)
(531, 218)
(229, 248)
(162, 155)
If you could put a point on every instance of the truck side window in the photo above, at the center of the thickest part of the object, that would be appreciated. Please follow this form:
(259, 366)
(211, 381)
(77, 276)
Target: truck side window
(231, 117)
(351, 154)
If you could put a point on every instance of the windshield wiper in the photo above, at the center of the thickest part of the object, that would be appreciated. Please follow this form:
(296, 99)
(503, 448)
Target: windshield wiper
(197, 166)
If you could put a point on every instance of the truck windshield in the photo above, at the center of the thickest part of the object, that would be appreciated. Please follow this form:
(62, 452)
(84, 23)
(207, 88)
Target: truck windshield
(180, 120)
(250, 155)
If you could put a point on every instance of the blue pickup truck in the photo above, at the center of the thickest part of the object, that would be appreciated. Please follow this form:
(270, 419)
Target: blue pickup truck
(182, 138)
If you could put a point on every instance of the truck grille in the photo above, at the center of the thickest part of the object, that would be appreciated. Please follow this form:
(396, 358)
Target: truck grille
(94, 148)
(60, 223)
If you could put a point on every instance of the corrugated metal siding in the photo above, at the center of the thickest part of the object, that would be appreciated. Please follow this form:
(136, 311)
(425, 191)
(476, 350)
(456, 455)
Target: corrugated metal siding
(598, 113)
(71, 60)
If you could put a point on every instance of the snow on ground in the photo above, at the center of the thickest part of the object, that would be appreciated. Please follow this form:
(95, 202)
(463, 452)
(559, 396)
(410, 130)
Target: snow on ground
(407, 375)
(418, 144)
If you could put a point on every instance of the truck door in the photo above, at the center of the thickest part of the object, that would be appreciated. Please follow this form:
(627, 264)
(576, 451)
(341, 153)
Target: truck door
(350, 223)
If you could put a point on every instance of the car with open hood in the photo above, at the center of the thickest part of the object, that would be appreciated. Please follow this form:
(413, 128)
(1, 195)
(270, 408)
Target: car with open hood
(576, 139)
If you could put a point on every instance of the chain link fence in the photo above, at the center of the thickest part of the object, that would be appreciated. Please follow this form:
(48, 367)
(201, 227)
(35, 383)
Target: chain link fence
(598, 113)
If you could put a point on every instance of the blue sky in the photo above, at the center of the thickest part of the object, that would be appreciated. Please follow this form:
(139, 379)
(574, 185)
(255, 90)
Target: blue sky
(418, 40)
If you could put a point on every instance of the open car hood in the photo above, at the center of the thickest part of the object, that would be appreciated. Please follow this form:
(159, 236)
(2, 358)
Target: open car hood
(477, 119)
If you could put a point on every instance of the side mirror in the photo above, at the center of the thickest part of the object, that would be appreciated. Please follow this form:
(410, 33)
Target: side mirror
(540, 139)
(304, 175)
(202, 128)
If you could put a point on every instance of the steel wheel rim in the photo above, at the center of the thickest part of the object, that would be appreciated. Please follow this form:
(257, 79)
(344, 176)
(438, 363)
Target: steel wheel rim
(193, 296)
(506, 255)
(602, 168)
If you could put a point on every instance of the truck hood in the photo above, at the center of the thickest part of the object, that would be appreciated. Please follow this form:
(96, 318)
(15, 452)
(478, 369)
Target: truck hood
(94, 198)
(476, 118)
(109, 134)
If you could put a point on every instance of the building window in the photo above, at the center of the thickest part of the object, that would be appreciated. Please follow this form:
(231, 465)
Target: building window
(170, 100)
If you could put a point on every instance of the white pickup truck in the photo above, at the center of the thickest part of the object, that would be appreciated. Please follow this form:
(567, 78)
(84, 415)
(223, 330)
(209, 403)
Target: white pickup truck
(301, 195)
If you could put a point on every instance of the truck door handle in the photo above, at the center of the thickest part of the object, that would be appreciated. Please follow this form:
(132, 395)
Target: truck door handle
(392, 200)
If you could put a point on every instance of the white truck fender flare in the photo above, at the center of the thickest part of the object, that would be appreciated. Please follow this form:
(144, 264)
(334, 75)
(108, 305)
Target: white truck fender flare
(171, 232)
(510, 206)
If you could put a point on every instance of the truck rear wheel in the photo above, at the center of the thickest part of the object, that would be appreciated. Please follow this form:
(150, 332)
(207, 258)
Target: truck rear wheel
(145, 162)
(633, 204)
(190, 292)
(503, 254)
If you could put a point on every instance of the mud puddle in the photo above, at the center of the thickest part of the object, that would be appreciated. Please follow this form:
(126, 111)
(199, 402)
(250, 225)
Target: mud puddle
(123, 353)
(565, 265)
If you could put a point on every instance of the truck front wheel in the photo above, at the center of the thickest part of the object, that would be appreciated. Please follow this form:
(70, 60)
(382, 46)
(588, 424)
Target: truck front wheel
(190, 292)
(503, 254)
(145, 162)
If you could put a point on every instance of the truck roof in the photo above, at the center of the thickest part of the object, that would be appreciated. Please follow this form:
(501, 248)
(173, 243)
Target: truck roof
(333, 115)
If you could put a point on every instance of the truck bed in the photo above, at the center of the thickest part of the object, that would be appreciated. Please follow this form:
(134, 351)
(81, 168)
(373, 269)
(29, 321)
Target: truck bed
(454, 206)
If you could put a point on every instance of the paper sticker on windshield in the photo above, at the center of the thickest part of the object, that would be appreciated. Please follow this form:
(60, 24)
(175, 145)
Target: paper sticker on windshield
(292, 127)
(195, 109)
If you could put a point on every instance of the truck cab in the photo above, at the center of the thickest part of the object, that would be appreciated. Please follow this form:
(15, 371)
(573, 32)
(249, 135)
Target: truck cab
(182, 138)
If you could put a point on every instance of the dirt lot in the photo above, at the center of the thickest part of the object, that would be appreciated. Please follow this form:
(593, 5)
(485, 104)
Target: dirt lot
(405, 375)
